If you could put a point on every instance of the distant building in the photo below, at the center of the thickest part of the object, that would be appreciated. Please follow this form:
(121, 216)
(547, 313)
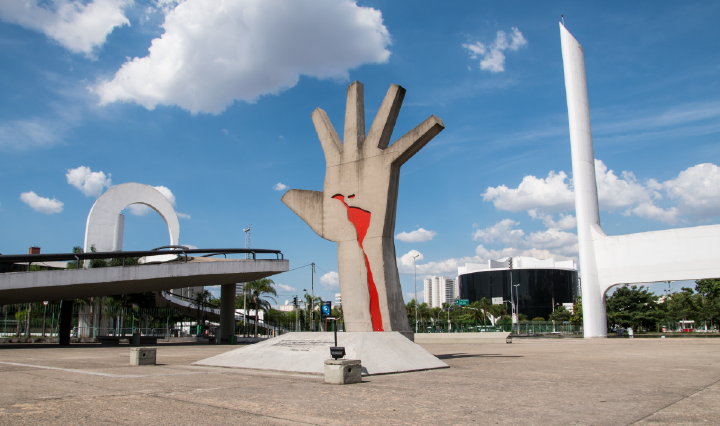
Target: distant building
(543, 284)
(439, 290)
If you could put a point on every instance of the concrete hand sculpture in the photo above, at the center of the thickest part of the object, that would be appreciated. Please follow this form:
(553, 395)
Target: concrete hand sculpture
(357, 206)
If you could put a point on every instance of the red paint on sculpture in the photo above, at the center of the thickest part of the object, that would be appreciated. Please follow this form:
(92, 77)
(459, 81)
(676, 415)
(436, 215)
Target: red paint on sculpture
(361, 221)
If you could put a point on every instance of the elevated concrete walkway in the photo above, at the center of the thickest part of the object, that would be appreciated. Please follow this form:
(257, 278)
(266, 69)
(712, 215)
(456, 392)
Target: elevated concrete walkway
(24, 287)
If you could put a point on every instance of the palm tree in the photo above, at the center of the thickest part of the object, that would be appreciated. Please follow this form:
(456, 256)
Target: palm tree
(496, 311)
(257, 290)
(200, 299)
(314, 304)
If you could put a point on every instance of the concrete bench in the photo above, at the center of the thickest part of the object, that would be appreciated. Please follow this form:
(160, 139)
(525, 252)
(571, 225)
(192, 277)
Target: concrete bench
(111, 340)
(134, 340)
(471, 338)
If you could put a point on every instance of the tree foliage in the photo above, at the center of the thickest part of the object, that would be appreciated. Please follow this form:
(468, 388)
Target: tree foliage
(633, 306)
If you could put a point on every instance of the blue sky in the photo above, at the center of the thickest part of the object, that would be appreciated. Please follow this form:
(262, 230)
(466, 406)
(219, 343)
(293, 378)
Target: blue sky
(212, 100)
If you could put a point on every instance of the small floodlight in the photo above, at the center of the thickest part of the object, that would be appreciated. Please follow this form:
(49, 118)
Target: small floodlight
(337, 352)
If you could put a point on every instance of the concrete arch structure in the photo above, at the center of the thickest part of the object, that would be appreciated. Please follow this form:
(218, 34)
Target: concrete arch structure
(607, 261)
(105, 224)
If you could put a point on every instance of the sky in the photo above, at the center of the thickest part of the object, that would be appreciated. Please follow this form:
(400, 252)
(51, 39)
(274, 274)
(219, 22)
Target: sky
(210, 102)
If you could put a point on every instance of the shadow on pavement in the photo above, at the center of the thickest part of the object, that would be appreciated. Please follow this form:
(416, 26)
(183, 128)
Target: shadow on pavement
(464, 355)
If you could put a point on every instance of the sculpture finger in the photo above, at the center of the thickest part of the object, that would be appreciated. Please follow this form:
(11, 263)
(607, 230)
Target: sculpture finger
(329, 139)
(384, 123)
(411, 142)
(308, 205)
(354, 118)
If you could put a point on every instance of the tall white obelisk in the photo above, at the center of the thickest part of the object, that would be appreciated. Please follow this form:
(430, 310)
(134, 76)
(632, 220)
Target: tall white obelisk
(586, 198)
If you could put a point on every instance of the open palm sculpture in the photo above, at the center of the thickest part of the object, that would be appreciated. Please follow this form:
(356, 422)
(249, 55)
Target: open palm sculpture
(357, 206)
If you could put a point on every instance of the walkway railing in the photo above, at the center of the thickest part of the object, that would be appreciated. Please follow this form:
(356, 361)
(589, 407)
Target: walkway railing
(172, 250)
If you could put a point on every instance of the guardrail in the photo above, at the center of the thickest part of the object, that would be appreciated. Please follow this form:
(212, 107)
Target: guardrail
(178, 250)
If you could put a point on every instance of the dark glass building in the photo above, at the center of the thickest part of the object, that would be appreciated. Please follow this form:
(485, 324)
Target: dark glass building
(539, 287)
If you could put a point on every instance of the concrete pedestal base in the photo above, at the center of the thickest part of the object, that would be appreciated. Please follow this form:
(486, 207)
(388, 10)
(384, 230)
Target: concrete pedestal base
(380, 352)
(342, 371)
(143, 356)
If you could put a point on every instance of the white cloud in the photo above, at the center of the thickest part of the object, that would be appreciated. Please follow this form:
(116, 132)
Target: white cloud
(214, 52)
(503, 232)
(41, 204)
(79, 26)
(492, 57)
(615, 193)
(88, 182)
(406, 260)
(553, 239)
(284, 288)
(29, 134)
(418, 236)
(565, 221)
(500, 232)
(697, 189)
(651, 211)
(279, 186)
(549, 244)
(142, 209)
(182, 215)
(330, 280)
(555, 194)
(552, 194)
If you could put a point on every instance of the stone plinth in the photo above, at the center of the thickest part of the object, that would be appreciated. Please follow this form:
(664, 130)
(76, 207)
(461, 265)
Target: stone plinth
(143, 356)
(381, 353)
(343, 371)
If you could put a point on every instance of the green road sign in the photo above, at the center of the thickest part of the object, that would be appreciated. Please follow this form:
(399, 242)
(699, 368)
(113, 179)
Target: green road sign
(462, 302)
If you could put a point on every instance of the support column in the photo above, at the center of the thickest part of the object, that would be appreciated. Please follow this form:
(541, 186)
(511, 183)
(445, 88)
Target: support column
(227, 311)
(587, 209)
(65, 325)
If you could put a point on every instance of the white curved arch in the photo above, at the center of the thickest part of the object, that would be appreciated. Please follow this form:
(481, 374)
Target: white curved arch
(103, 217)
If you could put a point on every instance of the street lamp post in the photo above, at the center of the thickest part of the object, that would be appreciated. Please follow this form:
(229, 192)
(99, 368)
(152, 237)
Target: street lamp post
(245, 311)
(416, 299)
(44, 313)
(312, 298)
(669, 290)
(517, 306)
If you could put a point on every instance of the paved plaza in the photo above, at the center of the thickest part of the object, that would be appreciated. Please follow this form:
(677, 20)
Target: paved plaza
(562, 381)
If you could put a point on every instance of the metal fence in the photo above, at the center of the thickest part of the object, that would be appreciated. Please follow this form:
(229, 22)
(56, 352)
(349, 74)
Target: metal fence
(524, 327)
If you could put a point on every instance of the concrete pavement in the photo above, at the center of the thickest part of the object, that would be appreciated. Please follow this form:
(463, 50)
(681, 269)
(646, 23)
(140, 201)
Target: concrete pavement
(565, 381)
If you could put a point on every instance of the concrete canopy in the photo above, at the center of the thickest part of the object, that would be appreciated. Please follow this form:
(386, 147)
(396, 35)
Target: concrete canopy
(104, 227)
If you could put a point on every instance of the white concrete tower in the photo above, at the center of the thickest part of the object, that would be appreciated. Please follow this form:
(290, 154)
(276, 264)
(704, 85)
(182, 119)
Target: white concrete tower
(586, 198)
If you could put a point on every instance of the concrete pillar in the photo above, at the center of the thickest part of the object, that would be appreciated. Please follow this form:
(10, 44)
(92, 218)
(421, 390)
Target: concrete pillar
(119, 230)
(587, 211)
(227, 310)
(65, 322)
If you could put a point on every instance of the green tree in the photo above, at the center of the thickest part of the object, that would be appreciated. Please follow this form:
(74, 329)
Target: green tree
(199, 300)
(560, 314)
(74, 263)
(633, 306)
(682, 305)
(258, 290)
(496, 312)
(577, 316)
(708, 292)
